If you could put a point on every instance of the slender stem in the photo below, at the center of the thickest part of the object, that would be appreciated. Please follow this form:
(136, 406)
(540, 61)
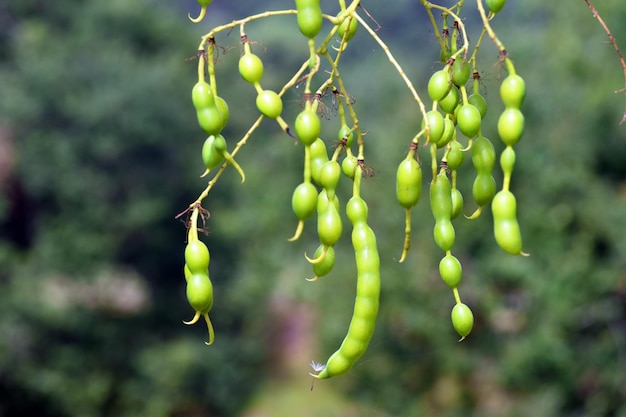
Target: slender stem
(509, 65)
(201, 63)
(294, 79)
(506, 182)
(358, 174)
(336, 20)
(342, 88)
(234, 23)
(442, 43)
(307, 163)
(477, 47)
(457, 297)
(460, 24)
(192, 236)
(487, 26)
(614, 43)
(395, 63)
(211, 65)
(463, 94)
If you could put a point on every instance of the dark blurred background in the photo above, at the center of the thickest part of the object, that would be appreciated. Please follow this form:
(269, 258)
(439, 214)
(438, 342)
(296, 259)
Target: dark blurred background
(100, 149)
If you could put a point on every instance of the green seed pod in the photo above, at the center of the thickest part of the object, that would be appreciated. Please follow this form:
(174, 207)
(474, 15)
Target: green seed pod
(495, 5)
(304, 200)
(202, 95)
(251, 68)
(348, 166)
(352, 347)
(345, 132)
(348, 28)
(210, 155)
(449, 133)
(508, 236)
(308, 126)
(323, 202)
(450, 101)
(483, 155)
(439, 85)
(219, 144)
(507, 160)
(319, 157)
(455, 156)
(210, 119)
(367, 307)
(441, 206)
(222, 106)
(197, 257)
(200, 292)
(483, 189)
(444, 234)
(460, 72)
(367, 297)
(504, 205)
(329, 225)
(366, 259)
(214, 153)
(450, 270)
(513, 91)
(326, 265)
(441, 197)
(457, 203)
(309, 17)
(337, 364)
(329, 177)
(480, 103)
(356, 210)
(511, 126)
(436, 125)
(506, 228)
(462, 319)
(408, 182)
(468, 119)
(362, 235)
(269, 104)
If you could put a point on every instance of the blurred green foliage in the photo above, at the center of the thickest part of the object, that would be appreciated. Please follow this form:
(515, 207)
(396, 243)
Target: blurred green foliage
(95, 96)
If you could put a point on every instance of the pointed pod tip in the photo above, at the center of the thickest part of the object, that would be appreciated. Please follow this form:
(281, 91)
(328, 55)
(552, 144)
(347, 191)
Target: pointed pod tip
(317, 260)
(298, 233)
(200, 16)
(194, 320)
(210, 329)
(475, 214)
(402, 258)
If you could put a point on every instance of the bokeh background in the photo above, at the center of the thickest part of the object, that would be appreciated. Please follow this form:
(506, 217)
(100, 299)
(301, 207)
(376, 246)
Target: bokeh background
(100, 149)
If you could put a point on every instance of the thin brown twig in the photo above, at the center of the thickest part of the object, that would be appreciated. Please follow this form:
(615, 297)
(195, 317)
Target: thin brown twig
(614, 43)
